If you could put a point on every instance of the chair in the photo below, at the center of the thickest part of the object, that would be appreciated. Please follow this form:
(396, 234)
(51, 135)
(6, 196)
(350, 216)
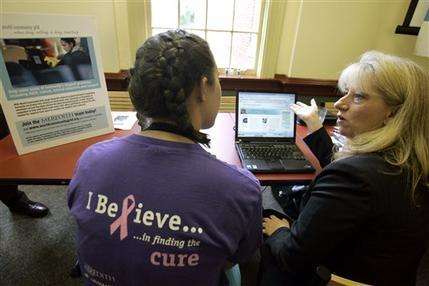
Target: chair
(234, 275)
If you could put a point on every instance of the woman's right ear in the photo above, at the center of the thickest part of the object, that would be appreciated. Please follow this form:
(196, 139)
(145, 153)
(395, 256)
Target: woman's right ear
(204, 88)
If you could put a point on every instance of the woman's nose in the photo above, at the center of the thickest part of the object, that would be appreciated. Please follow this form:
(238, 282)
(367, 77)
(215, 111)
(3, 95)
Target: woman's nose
(341, 104)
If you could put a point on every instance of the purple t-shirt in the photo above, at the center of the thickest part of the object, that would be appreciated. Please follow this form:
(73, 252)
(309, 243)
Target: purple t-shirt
(155, 212)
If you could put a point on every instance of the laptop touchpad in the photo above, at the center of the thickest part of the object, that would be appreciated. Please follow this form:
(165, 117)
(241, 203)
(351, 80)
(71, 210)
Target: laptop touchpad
(296, 164)
(274, 165)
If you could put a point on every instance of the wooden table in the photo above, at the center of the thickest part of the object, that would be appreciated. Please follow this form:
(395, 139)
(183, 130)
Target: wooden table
(55, 165)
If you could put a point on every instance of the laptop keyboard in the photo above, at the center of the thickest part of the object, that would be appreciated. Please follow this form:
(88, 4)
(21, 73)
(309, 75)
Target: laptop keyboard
(271, 151)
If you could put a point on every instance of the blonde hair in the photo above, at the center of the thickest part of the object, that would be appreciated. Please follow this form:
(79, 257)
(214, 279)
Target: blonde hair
(403, 141)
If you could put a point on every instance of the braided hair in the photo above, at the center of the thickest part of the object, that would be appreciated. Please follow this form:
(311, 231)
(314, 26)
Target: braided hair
(168, 66)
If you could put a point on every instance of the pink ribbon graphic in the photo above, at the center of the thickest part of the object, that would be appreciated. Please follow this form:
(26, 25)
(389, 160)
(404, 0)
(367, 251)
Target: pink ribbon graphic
(122, 221)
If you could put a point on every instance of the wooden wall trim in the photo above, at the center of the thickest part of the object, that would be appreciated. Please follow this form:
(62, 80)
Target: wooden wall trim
(308, 86)
(117, 81)
(301, 86)
(250, 83)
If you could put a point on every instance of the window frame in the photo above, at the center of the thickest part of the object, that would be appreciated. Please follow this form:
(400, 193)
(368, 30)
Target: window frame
(222, 71)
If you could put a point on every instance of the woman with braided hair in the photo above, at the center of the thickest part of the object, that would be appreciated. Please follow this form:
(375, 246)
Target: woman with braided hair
(155, 208)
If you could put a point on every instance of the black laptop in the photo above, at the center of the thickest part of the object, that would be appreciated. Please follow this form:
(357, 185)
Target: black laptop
(265, 133)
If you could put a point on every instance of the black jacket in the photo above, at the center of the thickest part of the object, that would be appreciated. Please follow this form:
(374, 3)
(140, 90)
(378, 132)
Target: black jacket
(75, 58)
(358, 221)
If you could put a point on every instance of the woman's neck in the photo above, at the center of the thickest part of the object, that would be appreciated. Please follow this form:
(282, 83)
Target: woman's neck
(167, 136)
(164, 129)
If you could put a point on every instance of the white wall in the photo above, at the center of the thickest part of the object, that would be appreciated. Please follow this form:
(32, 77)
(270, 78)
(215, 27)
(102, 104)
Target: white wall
(321, 37)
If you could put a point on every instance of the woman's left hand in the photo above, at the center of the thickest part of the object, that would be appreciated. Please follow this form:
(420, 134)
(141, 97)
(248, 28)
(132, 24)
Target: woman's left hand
(309, 114)
(271, 224)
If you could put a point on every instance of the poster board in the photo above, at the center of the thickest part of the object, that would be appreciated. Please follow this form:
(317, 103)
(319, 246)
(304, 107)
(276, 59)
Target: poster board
(52, 88)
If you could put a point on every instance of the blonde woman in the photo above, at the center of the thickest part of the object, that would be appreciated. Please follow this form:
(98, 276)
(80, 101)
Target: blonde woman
(367, 216)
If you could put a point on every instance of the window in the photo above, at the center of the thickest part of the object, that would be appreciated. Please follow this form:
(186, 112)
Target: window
(231, 27)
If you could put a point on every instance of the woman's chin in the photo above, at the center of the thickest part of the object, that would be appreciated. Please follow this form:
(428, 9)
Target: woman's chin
(343, 131)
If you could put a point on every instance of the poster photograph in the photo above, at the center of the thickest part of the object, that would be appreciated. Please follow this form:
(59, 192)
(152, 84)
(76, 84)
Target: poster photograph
(52, 83)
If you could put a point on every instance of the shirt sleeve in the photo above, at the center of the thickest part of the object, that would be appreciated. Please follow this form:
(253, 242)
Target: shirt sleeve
(321, 145)
(252, 238)
(83, 166)
(72, 187)
(339, 204)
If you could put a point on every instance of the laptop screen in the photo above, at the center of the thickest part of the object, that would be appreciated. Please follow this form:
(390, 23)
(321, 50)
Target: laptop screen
(265, 114)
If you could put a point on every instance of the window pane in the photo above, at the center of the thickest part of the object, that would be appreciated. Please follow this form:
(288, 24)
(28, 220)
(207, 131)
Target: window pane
(247, 15)
(200, 33)
(193, 14)
(220, 44)
(243, 50)
(220, 14)
(164, 13)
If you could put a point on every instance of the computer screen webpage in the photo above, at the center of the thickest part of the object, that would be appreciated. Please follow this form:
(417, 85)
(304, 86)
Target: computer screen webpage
(265, 115)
